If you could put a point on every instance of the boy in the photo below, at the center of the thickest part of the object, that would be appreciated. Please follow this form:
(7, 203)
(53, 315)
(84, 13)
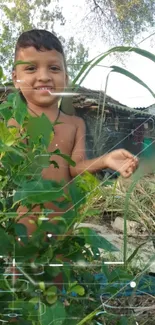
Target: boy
(39, 83)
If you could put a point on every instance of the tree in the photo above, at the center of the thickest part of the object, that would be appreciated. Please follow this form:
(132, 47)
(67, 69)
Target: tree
(119, 21)
(18, 16)
(76, 55)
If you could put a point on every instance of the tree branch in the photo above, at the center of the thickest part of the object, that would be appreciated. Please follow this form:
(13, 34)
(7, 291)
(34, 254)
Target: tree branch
(97, 6)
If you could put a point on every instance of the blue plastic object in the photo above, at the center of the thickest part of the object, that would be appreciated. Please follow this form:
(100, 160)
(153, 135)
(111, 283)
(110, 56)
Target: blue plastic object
(145, 285)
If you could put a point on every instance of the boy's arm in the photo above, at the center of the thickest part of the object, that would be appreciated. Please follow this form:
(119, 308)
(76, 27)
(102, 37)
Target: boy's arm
(79, 154)
(119, 160)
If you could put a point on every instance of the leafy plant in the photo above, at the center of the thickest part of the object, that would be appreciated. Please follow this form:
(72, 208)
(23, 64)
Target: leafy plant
(37, 260)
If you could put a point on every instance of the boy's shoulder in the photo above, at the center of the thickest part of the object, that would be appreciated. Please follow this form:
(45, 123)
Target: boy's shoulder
(74, 120)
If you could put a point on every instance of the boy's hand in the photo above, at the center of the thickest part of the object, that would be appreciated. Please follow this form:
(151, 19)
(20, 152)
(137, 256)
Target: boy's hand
(122, 161)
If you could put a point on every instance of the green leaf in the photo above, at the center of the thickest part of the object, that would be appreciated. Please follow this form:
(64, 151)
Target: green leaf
(94, 240)
(131, 76)
(88, 318)
(21, 321)
(40, 191)
(69, 217)
(124, 321)
(92, 63)
(21, 62)
(21, 232)
(130, 258)
(40, 126)
(60, 219)
(12, 159)
(20, 109)
(76, 194)
(66, 157)
(52, 291)
(5, 148)
(5, 105)
(10, 98)
(53, 271)
(93, 212)
(51, 299)
(6, 113)
(2, 172)
(78, 289)
(37, 164)
(62, 204)
(105, 270)
(28, 309)
(1, 72)
(42, 285)
(119, 274)
(54, 163)
(34, 300)
(42, 160)
(24, 253)
(111, 290)
(54, 315)
(66, 272)
(6, 245)
(5, 135)
(51, 295)
(57, 229)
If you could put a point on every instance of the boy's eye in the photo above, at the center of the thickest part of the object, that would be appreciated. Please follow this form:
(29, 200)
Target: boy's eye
(30, 68)
(54, 68)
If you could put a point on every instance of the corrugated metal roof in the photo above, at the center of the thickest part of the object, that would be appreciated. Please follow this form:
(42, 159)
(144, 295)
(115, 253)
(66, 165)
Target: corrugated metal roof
(128, 109)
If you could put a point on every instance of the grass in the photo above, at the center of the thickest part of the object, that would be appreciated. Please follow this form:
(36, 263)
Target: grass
(110, 201)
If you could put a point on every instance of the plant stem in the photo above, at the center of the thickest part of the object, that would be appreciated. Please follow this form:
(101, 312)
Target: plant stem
(127, 200)
(89, 317)
(113, 196)
(8, 286)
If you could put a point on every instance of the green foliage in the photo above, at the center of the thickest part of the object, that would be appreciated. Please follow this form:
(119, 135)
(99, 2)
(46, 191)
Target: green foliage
(124, 19)
(38, 191)
(39, 260)
(96, 241)
(55, 314)
(76, 55)
(1, 73)
(36, 129)
(88, 66)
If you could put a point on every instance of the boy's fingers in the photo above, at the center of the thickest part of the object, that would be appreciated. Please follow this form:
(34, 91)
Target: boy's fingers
(128, 163)
(129, 168)
(127, 154)
(133, 165)
(130, 156)
(136, 161)
(126, 173)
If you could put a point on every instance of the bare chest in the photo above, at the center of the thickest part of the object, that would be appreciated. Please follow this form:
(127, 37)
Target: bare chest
(64, 139)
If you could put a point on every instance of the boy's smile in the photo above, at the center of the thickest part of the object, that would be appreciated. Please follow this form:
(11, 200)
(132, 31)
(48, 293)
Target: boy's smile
(42, 79)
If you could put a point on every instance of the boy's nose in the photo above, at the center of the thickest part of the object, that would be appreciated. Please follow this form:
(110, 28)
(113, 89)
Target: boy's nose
(44, 76)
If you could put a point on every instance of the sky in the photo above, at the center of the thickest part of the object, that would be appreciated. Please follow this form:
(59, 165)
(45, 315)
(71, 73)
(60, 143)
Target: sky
(119, 87)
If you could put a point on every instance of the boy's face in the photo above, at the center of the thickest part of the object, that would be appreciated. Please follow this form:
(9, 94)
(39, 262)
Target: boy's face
(46, 70)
